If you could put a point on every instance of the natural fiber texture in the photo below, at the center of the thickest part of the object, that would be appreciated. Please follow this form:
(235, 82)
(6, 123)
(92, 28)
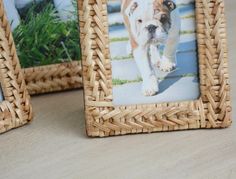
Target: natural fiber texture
(51, 78)
(15, 110)
(212, 110)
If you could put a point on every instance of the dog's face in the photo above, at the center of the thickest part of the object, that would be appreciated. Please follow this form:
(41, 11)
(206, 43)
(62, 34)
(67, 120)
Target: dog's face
(150, 20)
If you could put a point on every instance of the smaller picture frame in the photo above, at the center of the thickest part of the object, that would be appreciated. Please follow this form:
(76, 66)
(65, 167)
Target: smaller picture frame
(15, 107)
(50, 66)
(108, 115)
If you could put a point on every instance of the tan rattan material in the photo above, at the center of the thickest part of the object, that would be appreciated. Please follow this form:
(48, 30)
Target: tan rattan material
(212, 110)
(51, 78)
(15, 110)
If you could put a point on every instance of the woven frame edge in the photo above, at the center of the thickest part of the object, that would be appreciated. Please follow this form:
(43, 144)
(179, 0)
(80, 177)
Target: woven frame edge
(53, 78)
(15, 110)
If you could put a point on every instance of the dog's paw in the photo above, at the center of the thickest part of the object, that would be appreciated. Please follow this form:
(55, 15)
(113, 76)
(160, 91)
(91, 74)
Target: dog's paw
(167, 65)
(150, 86)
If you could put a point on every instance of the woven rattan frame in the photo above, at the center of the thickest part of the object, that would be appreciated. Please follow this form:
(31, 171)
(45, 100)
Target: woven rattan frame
(15, 110)
(51, 78)
(211, 110)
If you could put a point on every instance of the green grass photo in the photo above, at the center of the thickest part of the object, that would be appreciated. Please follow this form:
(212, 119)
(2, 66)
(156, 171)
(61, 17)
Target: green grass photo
(42, 38)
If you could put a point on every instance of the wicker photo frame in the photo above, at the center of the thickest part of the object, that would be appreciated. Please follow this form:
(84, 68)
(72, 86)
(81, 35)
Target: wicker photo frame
(211, 110)
(53, 78)
(15, 109)
(50, 78)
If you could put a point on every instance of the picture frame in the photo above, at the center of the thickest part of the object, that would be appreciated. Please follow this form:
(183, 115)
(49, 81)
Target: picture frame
(211, 110)
(15, 107)
(52, 77)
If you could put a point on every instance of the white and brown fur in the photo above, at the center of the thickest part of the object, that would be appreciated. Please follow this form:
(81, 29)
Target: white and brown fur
(151, 23)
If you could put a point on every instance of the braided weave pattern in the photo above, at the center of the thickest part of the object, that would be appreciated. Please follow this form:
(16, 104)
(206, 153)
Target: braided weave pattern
(213, 63)
(51, 78)
(16, 110)
(211, 110)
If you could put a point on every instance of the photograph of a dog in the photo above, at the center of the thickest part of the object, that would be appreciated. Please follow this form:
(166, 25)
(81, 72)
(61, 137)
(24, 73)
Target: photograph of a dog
(153, 48)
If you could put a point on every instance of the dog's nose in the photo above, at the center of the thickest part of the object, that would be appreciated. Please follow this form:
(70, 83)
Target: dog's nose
(151, 28)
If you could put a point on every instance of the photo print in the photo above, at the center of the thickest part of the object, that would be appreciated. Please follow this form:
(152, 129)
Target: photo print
(45, 32)
(1, 95)
(153, 50)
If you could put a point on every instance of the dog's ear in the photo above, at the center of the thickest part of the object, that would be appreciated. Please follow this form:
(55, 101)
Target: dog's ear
(169, 4)
(132, 8)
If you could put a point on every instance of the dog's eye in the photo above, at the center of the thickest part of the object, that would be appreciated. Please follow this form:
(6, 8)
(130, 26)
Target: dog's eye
(140, 20)
(163, 18)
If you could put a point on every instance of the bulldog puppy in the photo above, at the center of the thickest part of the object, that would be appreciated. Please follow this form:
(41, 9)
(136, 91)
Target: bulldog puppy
(151, 23)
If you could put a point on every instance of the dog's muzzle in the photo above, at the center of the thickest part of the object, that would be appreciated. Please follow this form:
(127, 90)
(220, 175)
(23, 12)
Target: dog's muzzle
(155, 37)
(151, 28)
